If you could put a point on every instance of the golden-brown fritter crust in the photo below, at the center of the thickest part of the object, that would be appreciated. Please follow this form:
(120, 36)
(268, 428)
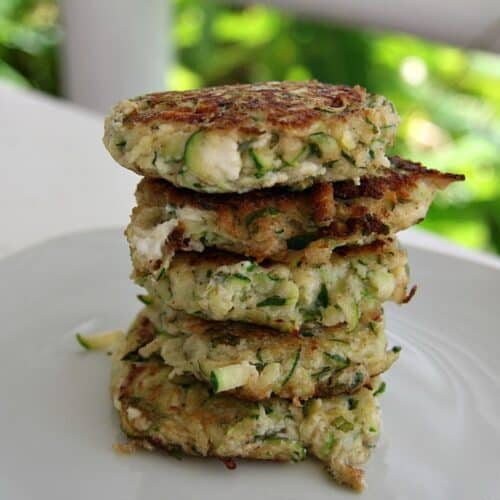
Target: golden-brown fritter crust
(181, 415)
(241, 138)
(398, 180)
(331, 360)
(261, 223)
(314, 286)
(286, 105)
(215, 258)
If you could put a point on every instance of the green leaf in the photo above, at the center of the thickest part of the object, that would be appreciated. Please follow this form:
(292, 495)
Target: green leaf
(261, 171)
(322, 373)
(161, 274)
(175, 451)
(380, 390)
(241, 277)
(340, 361)
(301, 241)
(348, 158)
(358, 378)
(272, 301)
(292, 370)
(323, 299)
(307, 333)
(252, 267)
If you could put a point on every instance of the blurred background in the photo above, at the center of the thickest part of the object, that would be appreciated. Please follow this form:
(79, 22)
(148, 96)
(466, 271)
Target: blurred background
(448, 97)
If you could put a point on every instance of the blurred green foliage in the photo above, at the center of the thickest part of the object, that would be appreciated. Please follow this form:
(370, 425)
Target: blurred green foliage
(449, 98)
(29, 39)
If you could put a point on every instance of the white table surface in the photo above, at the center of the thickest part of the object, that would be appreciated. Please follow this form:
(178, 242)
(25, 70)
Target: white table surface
(57, 177)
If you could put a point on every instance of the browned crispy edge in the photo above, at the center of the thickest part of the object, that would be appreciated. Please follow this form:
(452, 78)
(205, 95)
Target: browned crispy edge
(233, 106)
(321, 198)
(215, 257)
(145, 331)
(399, 179)
(338, 210)
(354, 479)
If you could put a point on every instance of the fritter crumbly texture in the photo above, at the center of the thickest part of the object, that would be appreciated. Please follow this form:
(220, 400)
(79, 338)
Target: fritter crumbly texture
(316, 286)
(263, 224)
(317, 362)
(239, 138)
(179, 414)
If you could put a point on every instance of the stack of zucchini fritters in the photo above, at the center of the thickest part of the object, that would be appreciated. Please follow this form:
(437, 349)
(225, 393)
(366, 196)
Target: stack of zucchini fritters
(264, 236)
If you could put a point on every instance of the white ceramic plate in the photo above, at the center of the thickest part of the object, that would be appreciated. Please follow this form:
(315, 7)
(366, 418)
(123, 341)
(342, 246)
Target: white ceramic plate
(441, 436)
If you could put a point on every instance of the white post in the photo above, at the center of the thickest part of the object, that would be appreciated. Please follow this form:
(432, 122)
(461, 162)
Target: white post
(113, 49)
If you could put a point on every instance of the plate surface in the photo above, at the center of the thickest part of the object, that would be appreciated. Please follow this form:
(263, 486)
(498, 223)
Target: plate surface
(441, 437)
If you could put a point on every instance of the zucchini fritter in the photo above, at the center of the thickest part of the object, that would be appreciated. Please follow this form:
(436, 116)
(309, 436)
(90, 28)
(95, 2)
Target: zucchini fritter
(238, 138)
(316, 286)
(255, 362)
(266, 223)
(182, 414)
